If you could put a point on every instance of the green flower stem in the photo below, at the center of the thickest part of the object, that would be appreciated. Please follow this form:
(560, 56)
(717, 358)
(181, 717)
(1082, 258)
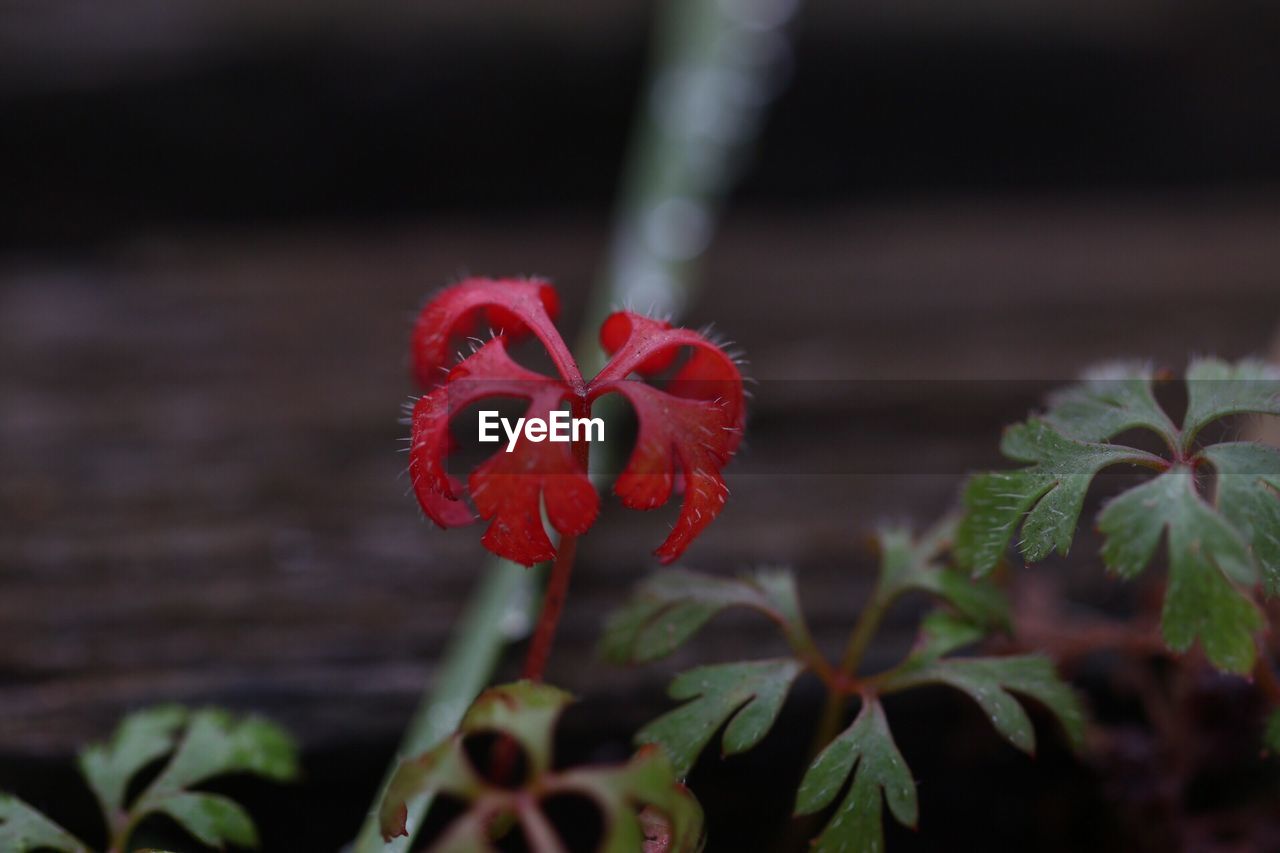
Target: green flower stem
(864, 630)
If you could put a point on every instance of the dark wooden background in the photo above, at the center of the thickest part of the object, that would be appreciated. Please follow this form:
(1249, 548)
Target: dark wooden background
(214, 247)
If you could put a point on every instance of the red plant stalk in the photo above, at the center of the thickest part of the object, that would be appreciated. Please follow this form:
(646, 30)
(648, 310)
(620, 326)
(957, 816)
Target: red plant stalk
(544, 633)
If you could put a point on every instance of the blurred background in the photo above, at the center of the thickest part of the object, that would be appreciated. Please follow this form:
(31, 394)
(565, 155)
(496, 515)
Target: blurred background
(217, 220)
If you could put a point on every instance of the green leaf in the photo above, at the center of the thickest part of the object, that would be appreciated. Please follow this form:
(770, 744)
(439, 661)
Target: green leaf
(1205, 555)
(1050, 494)
(1217, 389)
(942, 633)
(991, 682)
(216, 743)
(527, 713)
(442, 769)
(910, 563)
(213, 819)
(210, 744)
(141, 738)
(25, 830)
(1248, 495)
(1216, 553)
(646, 782)
(751, 693)
(670, 606)
(906, 560)
(1110, 400)
(865, 749)
(1271, 733)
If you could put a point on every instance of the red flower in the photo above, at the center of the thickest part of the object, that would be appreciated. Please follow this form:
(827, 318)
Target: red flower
(688, 428)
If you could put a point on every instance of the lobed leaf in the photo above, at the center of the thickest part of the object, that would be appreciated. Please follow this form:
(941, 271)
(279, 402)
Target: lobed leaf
(1110, 400)
(25, 830)
(1248, 496)
(749, 695)
(527, 713)
(1207, 557)
(213, 819)
(669, 607)
(216, 743)
(141, 738)
(1217, 552)
(631, 795)
(991, 682)
(865, 749)
(1050, 494)
(200, 746)
(1218, 389)
(908, 563)
(444, 768)
(942, 633)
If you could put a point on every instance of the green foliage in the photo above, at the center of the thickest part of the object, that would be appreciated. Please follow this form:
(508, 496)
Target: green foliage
(1221, 544)
(744, 698)
(865, 749)
(750, 692)
(671, 606)
(1049, 493)
(991, 682)
(632, 797)
(1205, 555)
(942, 633)
(1217, 389)
(201, 745)
(24, 829)
(1110, 400)
(1249, 497)
(909, 564)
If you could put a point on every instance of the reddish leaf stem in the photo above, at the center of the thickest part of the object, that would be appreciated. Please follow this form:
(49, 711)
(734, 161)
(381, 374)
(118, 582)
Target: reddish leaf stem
(552, 606)
(544, 634)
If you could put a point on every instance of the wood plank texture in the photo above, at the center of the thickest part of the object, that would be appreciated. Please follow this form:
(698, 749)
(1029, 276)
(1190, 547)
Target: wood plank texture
(201, 499)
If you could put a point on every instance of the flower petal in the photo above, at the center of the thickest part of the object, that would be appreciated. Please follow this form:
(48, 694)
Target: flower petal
(489, 372)
(688, 429)
(643, 345)
(695, 435)
(509, 489)
(511, 307)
